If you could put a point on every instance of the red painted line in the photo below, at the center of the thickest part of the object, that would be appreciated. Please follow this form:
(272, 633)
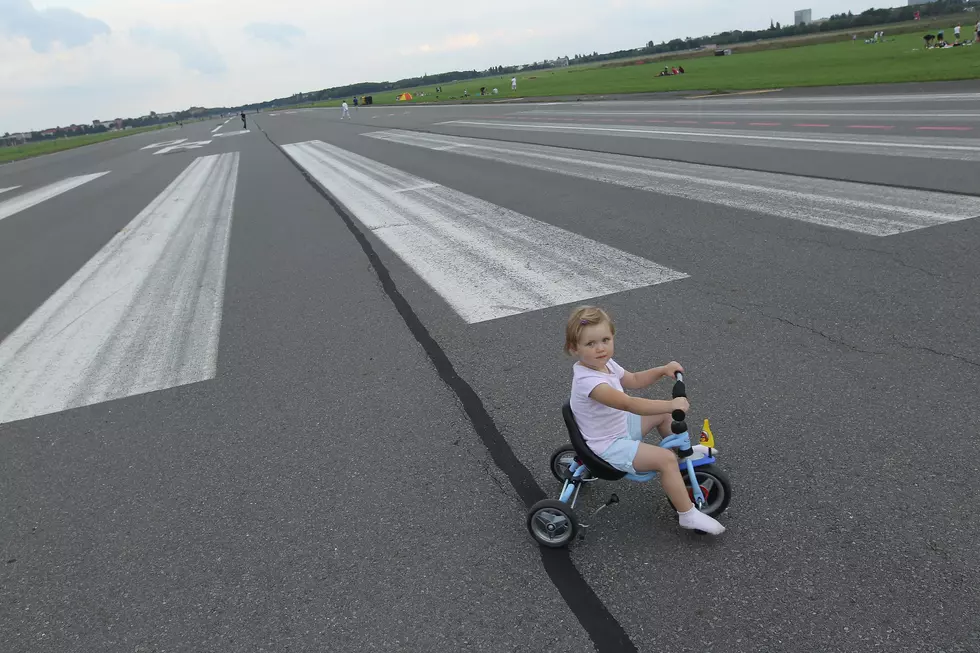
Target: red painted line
(765, 124)
(719, 122)
(871, 126)
(946, 129)
(806, 124)
(686, 122)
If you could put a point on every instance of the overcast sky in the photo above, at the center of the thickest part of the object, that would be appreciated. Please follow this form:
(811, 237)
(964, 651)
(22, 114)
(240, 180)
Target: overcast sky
(64, 61)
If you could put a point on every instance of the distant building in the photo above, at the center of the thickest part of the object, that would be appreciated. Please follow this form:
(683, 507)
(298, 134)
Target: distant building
(562, 62)
(14, 139)
(802, 16)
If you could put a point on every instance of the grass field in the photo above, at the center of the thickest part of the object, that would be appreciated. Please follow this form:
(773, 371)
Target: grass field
(28, 150)
(901, 58)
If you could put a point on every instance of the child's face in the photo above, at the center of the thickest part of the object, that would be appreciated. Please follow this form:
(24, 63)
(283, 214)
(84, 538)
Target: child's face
(595, 346)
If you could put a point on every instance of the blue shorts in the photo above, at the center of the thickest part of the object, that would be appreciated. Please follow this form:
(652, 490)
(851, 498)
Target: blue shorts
(622, 451)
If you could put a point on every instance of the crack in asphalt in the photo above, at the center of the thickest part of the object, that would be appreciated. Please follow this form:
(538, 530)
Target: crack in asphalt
(944, 354)
(756, 308)
(894, 257)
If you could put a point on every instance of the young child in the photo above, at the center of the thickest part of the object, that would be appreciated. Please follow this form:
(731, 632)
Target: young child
(614, 423)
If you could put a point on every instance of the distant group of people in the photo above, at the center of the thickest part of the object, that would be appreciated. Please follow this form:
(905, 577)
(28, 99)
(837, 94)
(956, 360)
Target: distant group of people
(668, 71)
(938, 40)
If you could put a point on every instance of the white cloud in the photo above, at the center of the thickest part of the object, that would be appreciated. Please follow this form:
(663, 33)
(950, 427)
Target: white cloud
(77, 60)
(46, 27)
(279, 33)
(195, 52)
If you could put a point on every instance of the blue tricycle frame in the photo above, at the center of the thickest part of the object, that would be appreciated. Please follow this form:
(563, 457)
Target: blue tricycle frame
(553, 523)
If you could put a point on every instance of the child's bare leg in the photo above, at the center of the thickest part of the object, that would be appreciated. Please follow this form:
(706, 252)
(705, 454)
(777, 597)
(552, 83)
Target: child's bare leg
(660, 422)
(663, 461)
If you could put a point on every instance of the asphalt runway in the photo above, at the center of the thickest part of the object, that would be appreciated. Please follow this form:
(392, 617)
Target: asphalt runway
(293, 387)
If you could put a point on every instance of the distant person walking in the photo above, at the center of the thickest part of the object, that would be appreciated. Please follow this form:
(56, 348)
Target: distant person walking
(978, 32)
(355, 104)
(513, 83)
(244, 125)
(345, 112)
(956, 33)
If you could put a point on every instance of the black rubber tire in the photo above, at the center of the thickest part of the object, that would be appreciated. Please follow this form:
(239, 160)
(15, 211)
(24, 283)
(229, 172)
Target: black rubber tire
(565, 532)
(556, 469)
(723, 482)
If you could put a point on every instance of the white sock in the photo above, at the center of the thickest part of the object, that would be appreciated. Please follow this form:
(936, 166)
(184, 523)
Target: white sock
(693, 519)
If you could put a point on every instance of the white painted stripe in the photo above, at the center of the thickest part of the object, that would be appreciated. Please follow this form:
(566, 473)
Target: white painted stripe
(863, 208)
(234, 133)
(193, 145)
(4, 190)
(956, 149)
(935, 115)
(29, 199)
(422, 187)
(163, 144)
(833, 99)
(142, 315)
(484, 260)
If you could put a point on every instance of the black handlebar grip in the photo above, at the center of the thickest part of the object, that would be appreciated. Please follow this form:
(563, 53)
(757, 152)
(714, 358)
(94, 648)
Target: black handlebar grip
(679, 390)
(677, 415)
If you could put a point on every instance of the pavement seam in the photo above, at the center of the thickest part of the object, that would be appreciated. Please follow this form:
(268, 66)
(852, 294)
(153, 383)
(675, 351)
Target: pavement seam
(606, 633)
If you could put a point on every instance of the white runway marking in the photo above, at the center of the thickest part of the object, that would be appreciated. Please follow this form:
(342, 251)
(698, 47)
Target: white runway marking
(731, 100)
(215, 130)
(486, 261)
(164, 144)
(193, 145)
(934, 115)
(31, 198)
(234, 133)
(9, 188)
(862, 208)
(143, 314)
(956, 149)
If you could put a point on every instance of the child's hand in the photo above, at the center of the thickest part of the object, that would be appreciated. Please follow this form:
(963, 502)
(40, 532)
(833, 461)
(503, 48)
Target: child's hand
(680, 403)
(672, 368)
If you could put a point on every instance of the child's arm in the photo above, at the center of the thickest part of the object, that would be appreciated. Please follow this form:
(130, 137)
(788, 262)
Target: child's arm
(634, 380)
(609, 396)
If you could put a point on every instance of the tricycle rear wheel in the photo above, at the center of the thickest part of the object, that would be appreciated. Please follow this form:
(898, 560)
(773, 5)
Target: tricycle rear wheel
(561, 460)
(552, 523)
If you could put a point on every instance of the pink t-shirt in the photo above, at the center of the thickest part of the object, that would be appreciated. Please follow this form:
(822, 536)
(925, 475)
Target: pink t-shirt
(600, 424)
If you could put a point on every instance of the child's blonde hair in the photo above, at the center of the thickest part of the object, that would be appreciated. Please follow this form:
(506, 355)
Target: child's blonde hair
(582, 317)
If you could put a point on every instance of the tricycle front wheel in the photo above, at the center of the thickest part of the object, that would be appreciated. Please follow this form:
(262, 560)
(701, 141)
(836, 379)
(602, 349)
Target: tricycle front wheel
(715, 486)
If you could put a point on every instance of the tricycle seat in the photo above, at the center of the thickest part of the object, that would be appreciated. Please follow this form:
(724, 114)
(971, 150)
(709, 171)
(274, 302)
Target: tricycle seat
(599, 467)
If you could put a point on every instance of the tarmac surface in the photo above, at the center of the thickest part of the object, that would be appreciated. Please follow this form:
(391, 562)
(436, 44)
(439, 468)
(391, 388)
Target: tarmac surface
(294, 388)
